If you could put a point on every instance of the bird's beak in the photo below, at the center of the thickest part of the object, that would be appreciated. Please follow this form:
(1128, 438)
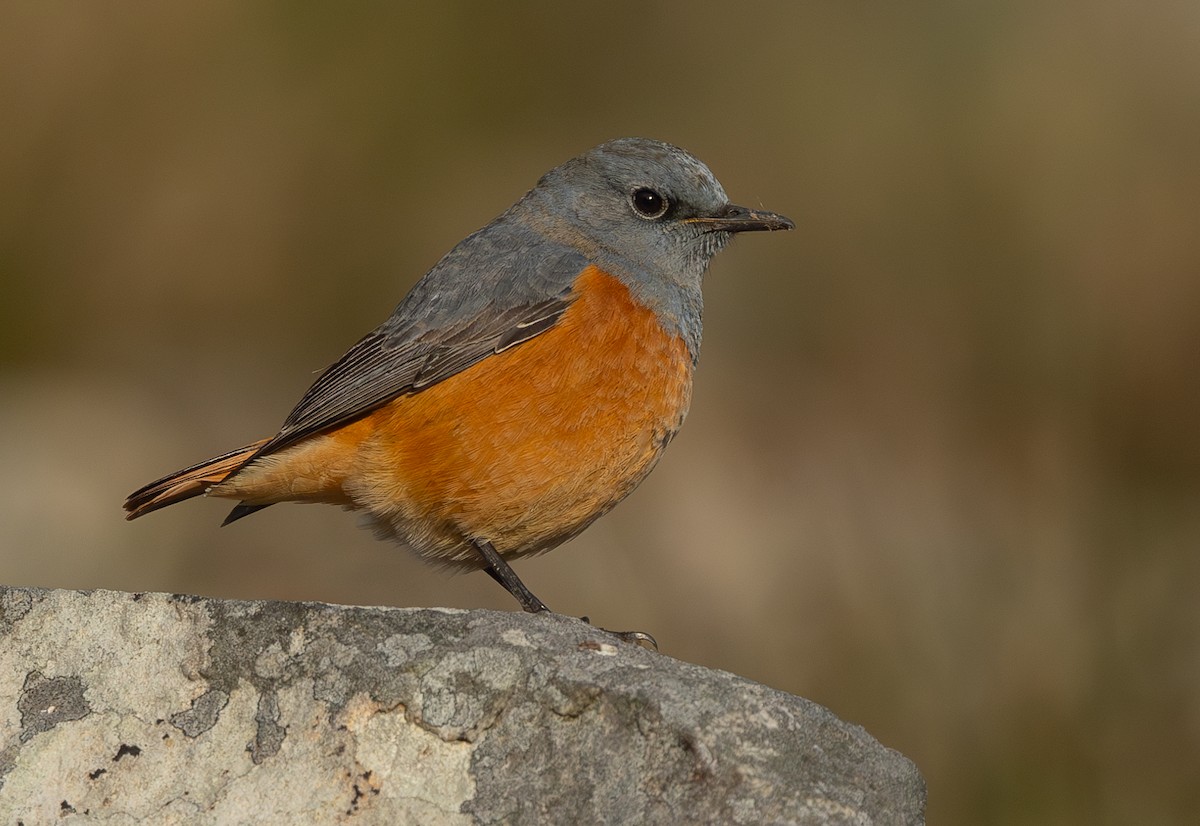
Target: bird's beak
(734, 218)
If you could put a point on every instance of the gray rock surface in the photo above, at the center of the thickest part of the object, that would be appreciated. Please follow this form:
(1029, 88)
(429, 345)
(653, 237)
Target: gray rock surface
(130, 708)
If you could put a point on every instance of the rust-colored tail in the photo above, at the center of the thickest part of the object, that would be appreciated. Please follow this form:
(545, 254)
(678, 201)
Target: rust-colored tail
(186, 483)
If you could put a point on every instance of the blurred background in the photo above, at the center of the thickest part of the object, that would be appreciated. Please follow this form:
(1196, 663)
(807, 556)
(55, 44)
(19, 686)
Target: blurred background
(942, 465)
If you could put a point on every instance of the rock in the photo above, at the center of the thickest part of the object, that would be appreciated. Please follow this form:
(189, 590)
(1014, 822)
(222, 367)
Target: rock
(131, 708)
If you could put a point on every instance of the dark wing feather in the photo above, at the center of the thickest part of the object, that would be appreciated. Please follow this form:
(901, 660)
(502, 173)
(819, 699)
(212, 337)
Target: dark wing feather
(520, 286)
(486, 335)
(377, 370)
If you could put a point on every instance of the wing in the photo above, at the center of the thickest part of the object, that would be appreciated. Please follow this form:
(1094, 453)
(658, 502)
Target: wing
(378, 368)
(498, 288)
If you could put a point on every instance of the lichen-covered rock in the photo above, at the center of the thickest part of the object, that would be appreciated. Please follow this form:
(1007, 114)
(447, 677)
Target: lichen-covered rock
(133, 708)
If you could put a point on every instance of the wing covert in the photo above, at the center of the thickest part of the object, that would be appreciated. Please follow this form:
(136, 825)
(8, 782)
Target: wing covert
(447, 323)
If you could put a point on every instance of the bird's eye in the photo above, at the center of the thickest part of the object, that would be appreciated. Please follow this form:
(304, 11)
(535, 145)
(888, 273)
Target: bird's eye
(648, 204)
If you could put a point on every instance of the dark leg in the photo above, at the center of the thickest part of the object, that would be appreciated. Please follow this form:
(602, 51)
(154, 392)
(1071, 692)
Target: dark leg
(503, 573)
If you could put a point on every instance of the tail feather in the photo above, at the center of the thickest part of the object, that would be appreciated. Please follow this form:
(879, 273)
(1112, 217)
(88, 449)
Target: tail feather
(189, 482)
(243, 509)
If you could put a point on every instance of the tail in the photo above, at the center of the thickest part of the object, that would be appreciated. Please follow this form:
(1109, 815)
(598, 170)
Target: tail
(189, 482)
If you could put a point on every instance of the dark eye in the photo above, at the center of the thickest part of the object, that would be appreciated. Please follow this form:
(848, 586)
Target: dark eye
(647, 203)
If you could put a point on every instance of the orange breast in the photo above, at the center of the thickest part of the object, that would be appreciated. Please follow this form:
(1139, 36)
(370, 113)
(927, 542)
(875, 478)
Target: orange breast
(524, 449)
(527, 447)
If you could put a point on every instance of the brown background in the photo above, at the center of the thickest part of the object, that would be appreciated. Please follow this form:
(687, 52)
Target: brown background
(942, 468)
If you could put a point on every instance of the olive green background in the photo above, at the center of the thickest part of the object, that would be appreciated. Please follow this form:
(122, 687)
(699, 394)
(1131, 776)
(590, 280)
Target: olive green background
(942, 466)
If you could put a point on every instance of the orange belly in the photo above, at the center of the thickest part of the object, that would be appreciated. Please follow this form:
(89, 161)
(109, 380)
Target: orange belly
(523, 449)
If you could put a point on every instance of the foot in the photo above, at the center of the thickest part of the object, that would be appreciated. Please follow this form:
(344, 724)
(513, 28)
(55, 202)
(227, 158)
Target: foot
(632, 637)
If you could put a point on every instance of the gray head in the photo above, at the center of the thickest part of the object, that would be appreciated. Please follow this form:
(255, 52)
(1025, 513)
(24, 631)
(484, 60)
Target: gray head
(647, 212)
(645, 209)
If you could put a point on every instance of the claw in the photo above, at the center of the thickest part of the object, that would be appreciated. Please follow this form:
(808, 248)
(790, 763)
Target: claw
(632, 637)
(635, 638)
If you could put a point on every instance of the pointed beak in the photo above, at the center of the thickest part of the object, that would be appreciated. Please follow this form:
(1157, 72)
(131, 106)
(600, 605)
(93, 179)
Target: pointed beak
(734, 218)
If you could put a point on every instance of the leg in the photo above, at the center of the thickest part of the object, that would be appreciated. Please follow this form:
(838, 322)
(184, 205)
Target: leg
(503, 573)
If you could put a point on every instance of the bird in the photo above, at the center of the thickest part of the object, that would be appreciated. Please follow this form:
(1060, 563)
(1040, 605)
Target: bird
(523, 387)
